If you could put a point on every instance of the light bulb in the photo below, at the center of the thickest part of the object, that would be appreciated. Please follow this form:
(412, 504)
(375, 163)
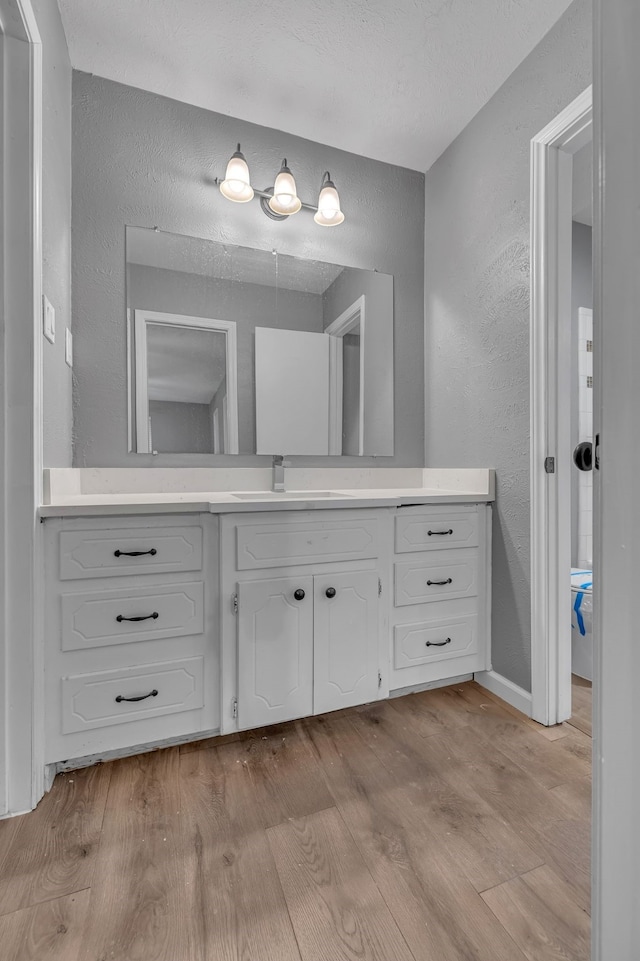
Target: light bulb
(285, 198)
(328, 213)
(236, 185)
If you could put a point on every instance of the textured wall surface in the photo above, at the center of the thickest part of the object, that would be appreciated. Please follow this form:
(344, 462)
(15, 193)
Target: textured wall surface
(145, 160)
(477, 309)
(56, 227)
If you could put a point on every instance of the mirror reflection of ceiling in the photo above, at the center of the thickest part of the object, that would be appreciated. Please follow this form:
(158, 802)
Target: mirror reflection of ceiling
(353, 74)
(247, 265)
(184, 364)
(583, 185)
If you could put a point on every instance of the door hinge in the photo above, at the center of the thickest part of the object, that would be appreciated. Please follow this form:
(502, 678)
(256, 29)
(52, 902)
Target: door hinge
(379, 587)
(235, 603)
(234, 707)
(379, 679)
(550, 465)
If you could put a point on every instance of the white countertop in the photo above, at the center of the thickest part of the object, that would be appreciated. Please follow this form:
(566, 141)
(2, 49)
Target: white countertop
(225, 503)
(70, 494)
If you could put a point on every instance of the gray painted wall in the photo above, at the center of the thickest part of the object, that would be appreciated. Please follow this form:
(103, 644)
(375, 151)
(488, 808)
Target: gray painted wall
(477, 308)
(56, 229)
(581, 296)
(143, 159)
(180, 427)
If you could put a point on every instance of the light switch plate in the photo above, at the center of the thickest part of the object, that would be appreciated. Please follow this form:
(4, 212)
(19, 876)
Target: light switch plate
(68, 347)
(48, 319)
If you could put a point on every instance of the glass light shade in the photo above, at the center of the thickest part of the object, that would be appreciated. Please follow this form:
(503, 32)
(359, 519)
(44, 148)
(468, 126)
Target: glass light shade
(236, 185)
(285, 199)
(328, 213)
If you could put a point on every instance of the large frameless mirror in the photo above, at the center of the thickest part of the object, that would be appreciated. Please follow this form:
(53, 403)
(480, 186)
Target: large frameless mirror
(236, 350)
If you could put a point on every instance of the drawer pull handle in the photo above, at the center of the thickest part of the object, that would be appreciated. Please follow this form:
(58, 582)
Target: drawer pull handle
(439, 583)
(143, 617)
(141, 697)
(299, 594)
(330, 592)
(439, 643)
(441, 533)
(153, 553)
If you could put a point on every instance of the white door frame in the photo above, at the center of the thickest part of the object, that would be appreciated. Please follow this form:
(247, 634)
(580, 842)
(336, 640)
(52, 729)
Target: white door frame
(226, 327)
(21, 458)
(552, 153)
(349, 319)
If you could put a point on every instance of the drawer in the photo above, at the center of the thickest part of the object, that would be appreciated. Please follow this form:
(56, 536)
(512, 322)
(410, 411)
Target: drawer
(448, 574)
(305, 542)
(434, 640)
(429, 530)
(91, 700)
(144, 550)
(100, 618)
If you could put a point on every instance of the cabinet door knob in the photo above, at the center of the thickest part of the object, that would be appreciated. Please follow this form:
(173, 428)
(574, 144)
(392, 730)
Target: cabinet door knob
(330, 592)
(299, 594)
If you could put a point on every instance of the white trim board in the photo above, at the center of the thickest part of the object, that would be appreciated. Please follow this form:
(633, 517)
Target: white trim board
(21, 570)
(550, 336)
(505, 689)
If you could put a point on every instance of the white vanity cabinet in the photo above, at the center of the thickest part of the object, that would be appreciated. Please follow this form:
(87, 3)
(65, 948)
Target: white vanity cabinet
(130, 613)
(164, 628)
(305, 620)
(440, 620)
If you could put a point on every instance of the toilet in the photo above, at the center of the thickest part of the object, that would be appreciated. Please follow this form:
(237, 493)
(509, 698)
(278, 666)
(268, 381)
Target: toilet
(582, 622)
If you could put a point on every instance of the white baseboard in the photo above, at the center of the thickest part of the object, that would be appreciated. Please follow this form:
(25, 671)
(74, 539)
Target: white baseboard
(501, 686)
(430, 685)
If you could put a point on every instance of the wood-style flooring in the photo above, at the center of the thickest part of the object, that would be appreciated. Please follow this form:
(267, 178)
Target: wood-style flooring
(581, 704)
(440, 826)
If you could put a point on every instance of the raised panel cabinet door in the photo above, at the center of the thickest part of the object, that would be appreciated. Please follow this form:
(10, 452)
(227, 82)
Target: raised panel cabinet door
(275, 650)
(346, 652)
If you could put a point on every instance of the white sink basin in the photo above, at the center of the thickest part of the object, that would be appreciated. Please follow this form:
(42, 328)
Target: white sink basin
(285, 495)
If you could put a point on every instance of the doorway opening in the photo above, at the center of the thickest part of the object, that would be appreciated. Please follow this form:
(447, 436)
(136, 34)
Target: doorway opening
(554, 355)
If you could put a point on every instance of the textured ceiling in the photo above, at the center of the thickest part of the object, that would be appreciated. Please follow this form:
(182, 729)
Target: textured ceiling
(395, 81)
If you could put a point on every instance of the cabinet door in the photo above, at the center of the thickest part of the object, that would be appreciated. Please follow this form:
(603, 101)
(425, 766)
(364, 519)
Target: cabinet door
(275, 650)
(346, 658)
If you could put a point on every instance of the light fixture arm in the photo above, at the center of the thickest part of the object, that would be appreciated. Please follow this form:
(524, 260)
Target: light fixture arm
(280, 201)
(265, 195)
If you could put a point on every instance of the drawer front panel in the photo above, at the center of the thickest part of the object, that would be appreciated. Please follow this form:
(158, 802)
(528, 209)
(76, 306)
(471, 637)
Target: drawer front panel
(100, 618)
(305, 542)
(432, 530)
(448, 574)
(132, 551)
(434, 640)
(90, 700)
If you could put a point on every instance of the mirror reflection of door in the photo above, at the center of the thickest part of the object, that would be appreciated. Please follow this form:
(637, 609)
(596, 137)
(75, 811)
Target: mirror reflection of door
(185, 384)
(346, 380)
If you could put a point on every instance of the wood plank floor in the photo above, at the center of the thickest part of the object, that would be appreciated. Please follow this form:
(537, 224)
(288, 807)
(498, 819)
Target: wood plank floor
(581, 704)
(441, 826)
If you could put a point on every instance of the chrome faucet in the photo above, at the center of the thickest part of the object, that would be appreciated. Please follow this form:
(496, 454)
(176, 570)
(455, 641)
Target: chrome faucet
(277, 471)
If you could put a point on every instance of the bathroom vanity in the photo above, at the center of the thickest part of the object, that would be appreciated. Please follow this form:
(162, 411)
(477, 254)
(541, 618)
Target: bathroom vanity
(176, 617)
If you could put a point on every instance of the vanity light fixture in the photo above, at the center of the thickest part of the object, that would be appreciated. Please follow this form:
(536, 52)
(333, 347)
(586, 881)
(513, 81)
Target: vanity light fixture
(236, 185)
(328, 213)
(280, 201)
(285, 199)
